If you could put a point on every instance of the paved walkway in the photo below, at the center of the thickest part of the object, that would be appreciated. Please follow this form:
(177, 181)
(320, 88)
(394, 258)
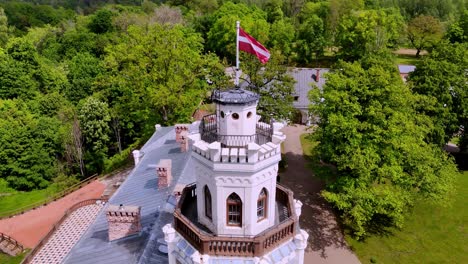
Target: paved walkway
(69, 232)
(30, 227)
(326, 242)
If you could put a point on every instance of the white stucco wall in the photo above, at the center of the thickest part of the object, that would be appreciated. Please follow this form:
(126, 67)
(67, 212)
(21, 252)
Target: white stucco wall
(247, 184)
(243, 125)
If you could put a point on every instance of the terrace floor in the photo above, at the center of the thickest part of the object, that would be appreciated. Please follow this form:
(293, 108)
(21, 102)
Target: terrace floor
(69, 232)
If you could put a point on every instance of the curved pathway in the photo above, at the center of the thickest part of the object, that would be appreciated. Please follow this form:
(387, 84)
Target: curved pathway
(30, 227)
(326, 242)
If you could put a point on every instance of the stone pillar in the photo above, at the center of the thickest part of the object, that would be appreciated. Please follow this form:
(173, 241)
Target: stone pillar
(136, 156)
(196, 257)
(179, 128)
(170, 238)
(184, 141)
(300, 240)
(123, 221)
(163, 169)
(252, 152)
(298, 208)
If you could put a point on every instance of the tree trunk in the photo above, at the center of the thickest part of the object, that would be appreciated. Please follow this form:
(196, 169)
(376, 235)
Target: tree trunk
(417, 52)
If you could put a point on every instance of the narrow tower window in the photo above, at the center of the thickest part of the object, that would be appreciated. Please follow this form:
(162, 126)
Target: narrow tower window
(207, 202)
(234, 210)
(262, 205)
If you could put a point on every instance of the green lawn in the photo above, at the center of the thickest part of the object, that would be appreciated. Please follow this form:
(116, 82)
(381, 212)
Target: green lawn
(7, 259)
(432, 233)
(17, 200)
(406, 59)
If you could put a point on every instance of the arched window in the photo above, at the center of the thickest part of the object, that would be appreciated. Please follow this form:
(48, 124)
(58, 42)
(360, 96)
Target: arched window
(234, 210)
(262, 205)
(207, 202)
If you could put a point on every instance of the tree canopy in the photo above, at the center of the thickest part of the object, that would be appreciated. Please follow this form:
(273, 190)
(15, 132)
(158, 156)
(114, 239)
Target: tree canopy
(369, 129)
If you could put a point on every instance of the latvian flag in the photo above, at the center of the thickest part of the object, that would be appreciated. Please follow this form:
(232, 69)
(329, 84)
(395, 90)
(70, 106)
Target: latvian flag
(248, 44)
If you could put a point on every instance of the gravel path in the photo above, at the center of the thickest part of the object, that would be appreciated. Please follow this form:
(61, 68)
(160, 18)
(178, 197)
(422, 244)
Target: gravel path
(326, 242)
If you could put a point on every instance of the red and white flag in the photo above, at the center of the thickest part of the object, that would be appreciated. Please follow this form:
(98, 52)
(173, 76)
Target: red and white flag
(250, 45)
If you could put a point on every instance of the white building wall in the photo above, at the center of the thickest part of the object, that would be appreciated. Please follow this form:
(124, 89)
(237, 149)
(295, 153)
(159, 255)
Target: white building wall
(247, 184)
(243, 125)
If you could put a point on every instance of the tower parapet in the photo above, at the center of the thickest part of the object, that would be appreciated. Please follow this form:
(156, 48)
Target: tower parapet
(236, 208)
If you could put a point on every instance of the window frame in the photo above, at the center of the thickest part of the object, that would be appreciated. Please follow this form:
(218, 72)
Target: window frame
(208, 201)
(262, 197)
(234, 200)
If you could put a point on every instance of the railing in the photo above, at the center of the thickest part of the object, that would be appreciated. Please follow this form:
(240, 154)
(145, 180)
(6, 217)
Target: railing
(209, 133)
(55, 197)
(11, 241)
(21, 210)
(236, 246)
(49, 234)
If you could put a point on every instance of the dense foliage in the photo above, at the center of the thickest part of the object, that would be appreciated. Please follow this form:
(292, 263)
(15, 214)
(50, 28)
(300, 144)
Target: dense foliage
(82, 83)
(370, 130)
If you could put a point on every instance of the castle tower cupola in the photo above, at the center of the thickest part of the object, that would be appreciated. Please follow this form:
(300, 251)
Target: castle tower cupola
(236, 114)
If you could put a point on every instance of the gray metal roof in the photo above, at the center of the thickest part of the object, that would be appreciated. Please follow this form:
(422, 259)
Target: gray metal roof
(237, 96)
(305, 79)
(139, 189)
(406, 68)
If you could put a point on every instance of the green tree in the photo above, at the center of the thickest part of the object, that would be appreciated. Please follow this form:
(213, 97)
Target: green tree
(94, 118)
(272, 82)
(423, 32)
(441, 81)
(221, 37)
(3, 28)
(101, 22)
(368, 31)
(311, 39)
(28, 146)
(83, 69)
(282, 36)
(163, 84)
(458, 30)
(369, 130)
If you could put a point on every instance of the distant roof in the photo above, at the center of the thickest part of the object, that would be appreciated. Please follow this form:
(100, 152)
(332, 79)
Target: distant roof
(235, 96)
(139, 189)
(402, 68)
(305, 81)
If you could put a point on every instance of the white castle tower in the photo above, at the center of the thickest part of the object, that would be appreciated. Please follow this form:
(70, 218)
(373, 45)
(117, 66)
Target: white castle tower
(236, 210)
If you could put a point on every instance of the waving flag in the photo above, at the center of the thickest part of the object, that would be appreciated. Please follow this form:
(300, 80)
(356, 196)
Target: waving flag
(250, 45)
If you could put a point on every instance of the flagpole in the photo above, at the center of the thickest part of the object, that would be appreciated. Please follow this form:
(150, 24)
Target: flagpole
(236, 82)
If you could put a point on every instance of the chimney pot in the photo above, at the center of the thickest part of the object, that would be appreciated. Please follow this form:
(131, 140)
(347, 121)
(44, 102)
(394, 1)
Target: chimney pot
(163, 169)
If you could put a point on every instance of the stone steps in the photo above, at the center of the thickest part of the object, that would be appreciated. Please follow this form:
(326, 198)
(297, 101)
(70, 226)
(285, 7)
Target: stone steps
(9, 247)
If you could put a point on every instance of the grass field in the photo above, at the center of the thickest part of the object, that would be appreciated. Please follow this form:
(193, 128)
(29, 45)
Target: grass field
(432, 233)
(406, 59)
(15, 200)
(7, 259)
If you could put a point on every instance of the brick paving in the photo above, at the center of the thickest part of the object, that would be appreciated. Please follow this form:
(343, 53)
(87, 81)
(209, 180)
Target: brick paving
(69, 232)
(30, 227)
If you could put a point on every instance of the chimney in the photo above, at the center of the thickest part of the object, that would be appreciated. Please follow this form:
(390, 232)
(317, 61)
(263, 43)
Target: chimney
(317, 75)
(136, 156)
(183, 141)
(163, 169)
(123, 221)
(179, 128)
